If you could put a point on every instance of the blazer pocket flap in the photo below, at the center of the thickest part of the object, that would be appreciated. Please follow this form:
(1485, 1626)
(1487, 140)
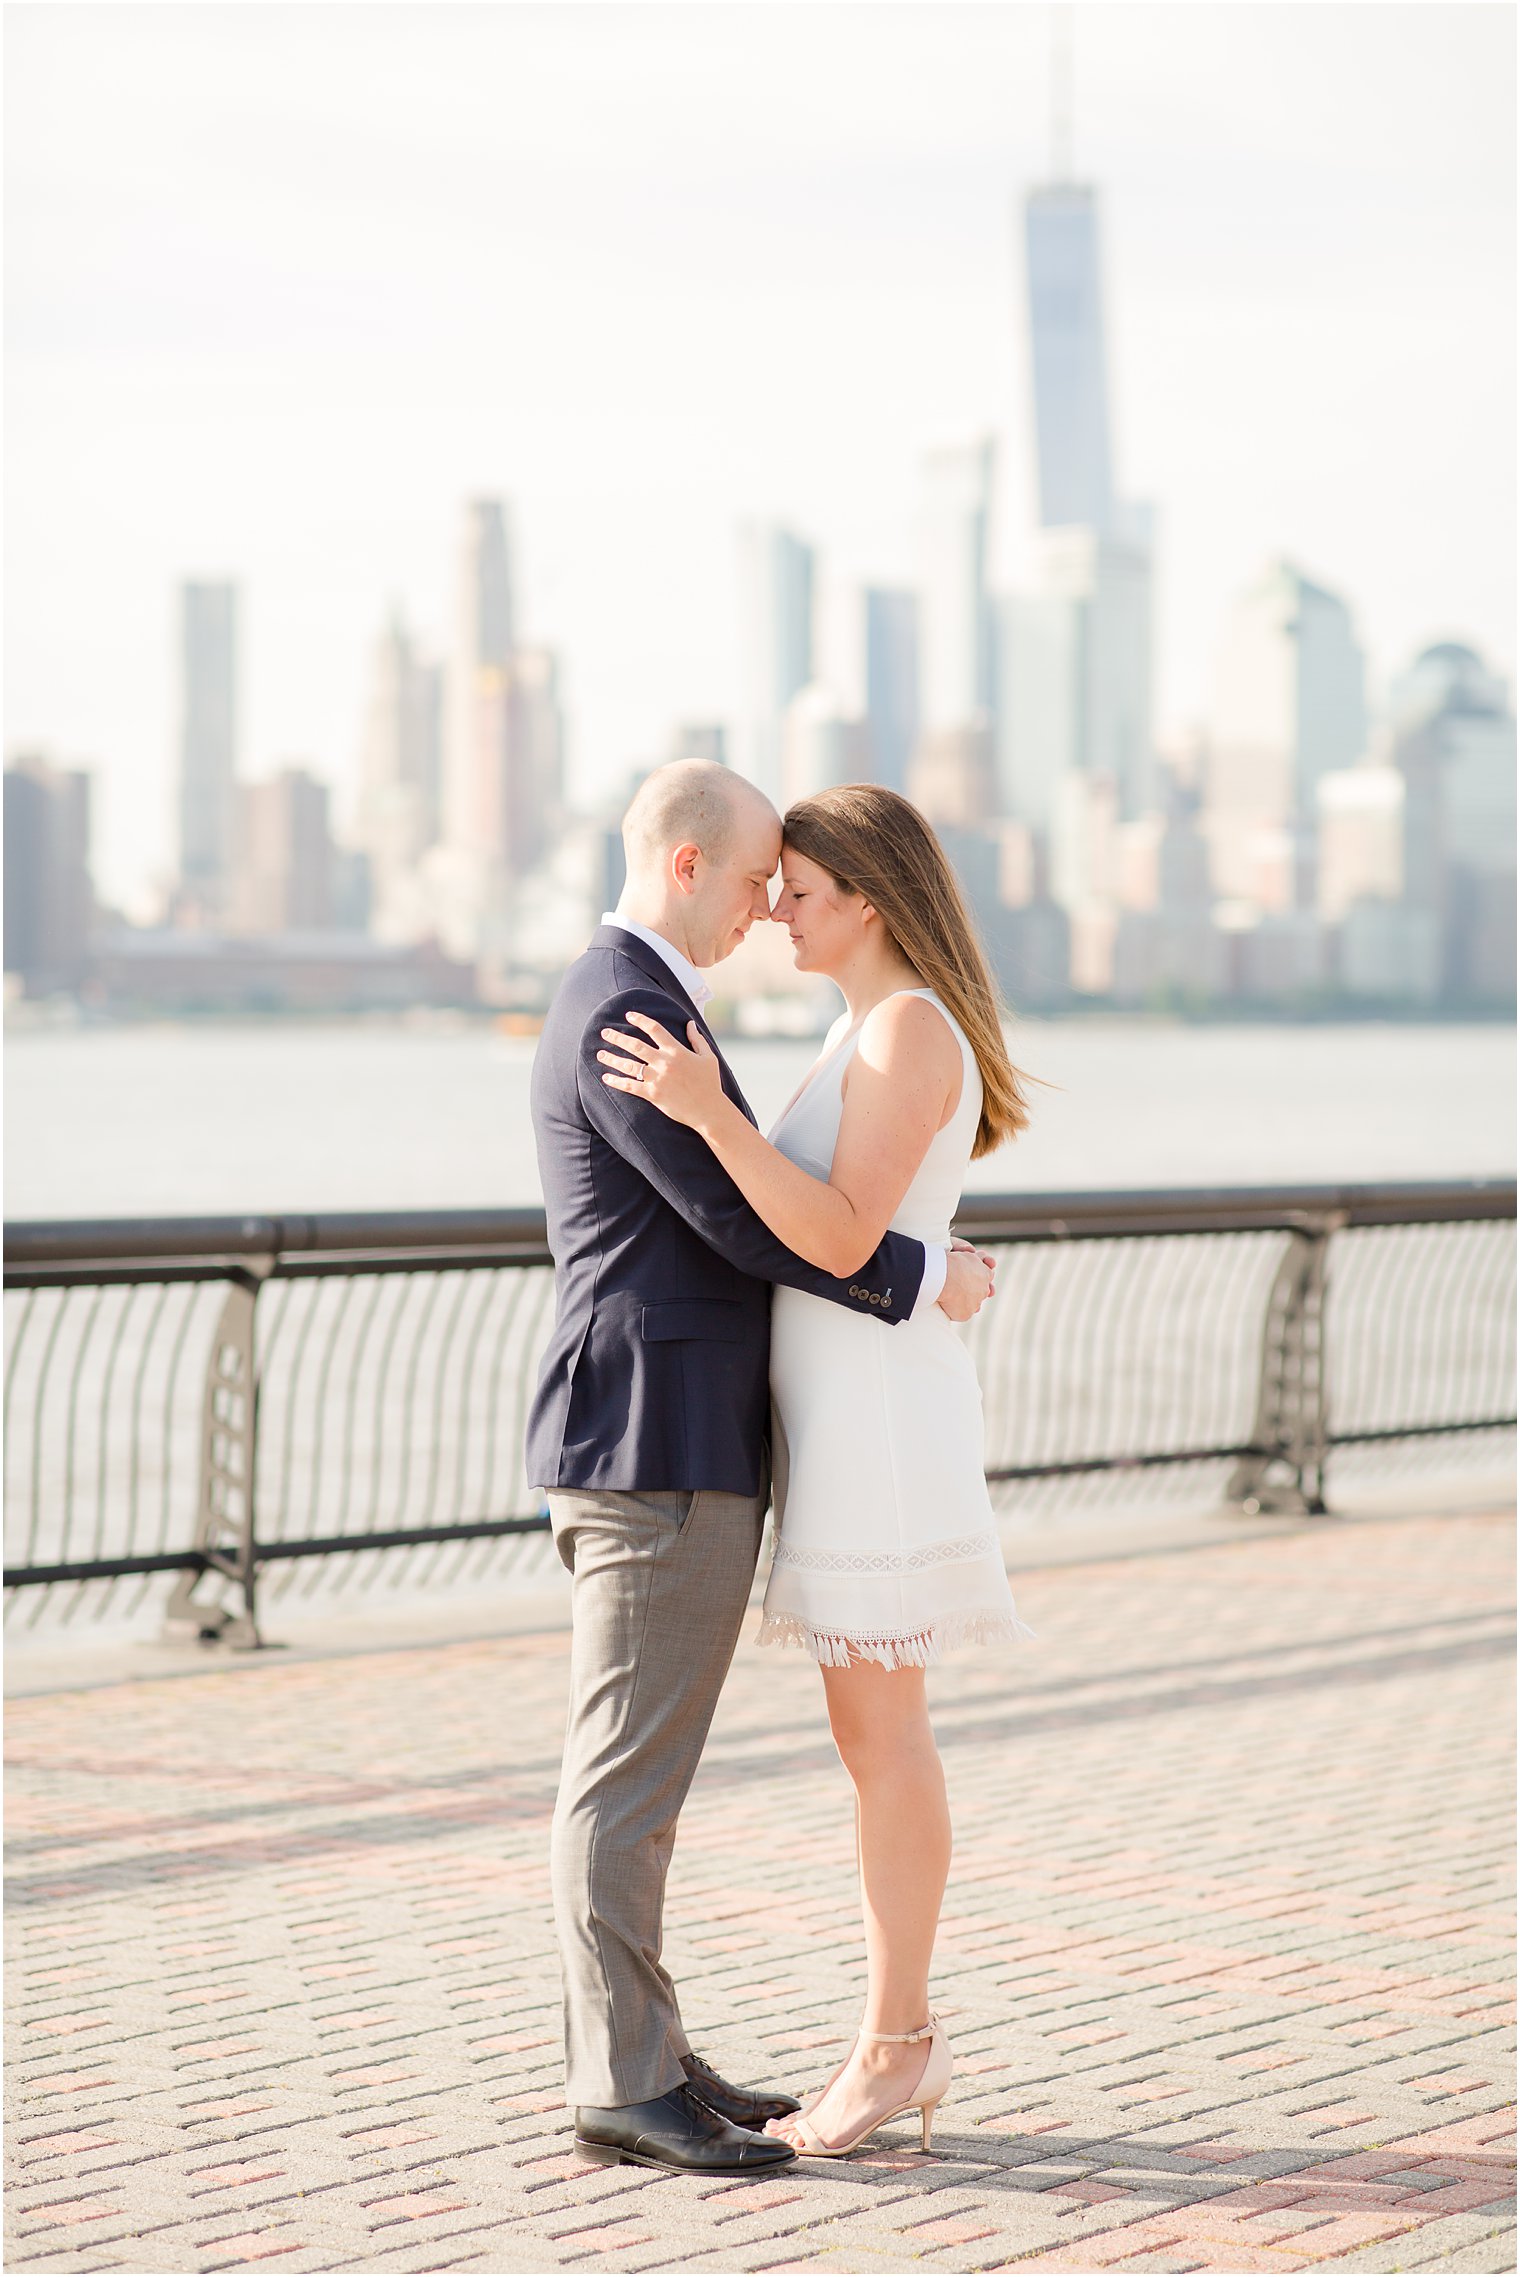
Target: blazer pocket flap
(708, 1320)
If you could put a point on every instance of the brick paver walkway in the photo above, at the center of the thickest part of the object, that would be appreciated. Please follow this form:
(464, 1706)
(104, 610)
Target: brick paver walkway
(1227, 1945)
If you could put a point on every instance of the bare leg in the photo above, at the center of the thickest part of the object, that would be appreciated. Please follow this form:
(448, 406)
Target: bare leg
(880, 1721)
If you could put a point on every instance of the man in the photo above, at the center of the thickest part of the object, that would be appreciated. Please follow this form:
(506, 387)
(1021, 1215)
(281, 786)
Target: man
(649, 1432)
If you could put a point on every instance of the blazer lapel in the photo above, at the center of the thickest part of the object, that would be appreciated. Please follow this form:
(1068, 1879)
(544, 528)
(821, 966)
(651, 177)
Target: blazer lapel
(649, 961)
(653, 965)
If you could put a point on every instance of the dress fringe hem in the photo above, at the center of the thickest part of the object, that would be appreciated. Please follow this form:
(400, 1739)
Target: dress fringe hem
(919, 1648)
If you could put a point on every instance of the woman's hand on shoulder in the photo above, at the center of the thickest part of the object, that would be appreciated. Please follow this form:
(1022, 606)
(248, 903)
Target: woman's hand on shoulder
(685, 1084)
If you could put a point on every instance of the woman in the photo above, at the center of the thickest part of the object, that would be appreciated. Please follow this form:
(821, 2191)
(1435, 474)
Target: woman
(887, 1548)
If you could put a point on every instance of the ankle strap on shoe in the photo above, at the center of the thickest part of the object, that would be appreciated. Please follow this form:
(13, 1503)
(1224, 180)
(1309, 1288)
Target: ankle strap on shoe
(902, 2038)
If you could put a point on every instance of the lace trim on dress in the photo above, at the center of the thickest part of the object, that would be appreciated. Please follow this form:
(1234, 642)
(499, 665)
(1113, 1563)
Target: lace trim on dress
(920, 1648)
(916, 1561)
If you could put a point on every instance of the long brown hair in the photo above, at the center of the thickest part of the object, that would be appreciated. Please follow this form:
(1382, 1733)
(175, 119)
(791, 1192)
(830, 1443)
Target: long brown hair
(873, 842)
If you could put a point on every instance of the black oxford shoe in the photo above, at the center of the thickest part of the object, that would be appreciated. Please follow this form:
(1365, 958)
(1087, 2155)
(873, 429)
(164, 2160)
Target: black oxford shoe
(675, 2130)
(740, 2106)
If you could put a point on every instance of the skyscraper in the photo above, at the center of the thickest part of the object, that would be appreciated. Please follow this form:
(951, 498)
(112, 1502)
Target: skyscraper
(535, 756)
(1075, 675)
(776, 575)
(951, 777)
(1074, 650)
(400, 758)
(1067, 358)
(1039, 714)
(283, 875)
(207, 738)
(955, 630)
(49, 903)
(503, 749)
(1453, 743)
(1288, 707)
(1361, 838)
(822, 743)
(950, 772)
(889, 626)
(699, 739)
(484, 631)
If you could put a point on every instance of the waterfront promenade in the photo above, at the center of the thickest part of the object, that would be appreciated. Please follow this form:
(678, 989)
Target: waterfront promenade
(1226, 1956)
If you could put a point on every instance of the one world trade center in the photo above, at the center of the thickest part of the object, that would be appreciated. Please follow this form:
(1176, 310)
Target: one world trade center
(1068, 369)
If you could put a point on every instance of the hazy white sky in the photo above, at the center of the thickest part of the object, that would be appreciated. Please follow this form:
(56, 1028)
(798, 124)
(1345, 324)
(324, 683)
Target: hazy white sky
(286, 282)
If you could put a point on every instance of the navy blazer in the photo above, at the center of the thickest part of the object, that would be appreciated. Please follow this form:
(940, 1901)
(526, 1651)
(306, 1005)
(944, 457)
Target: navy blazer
(657, 1372)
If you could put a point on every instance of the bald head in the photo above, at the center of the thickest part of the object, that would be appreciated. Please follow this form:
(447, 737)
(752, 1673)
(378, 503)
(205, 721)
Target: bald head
(691, 802)
(702, 845)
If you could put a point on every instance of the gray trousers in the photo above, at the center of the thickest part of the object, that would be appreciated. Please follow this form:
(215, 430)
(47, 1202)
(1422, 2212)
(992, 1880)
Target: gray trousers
(660, 1584)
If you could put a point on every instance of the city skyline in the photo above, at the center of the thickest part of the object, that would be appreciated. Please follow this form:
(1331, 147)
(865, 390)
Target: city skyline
(639, 605)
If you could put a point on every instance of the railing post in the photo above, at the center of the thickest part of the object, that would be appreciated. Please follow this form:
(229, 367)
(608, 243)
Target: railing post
(224, 1528)
(1292, 1426)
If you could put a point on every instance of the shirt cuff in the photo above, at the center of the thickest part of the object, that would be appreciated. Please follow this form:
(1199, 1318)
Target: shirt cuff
(936, 1266)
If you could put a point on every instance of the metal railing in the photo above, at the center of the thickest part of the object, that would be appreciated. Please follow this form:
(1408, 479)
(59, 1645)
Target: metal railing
(216, 1398)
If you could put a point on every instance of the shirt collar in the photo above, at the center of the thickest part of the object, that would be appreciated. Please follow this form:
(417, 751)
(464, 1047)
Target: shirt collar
(682, 967)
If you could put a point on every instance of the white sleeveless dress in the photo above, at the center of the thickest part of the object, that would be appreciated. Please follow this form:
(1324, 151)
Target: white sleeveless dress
(886, 1543)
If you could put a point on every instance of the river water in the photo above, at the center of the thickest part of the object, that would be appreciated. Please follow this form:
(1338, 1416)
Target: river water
(279, 1117)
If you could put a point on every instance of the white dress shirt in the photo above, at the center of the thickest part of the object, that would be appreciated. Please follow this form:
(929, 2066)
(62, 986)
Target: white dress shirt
(936, 1255)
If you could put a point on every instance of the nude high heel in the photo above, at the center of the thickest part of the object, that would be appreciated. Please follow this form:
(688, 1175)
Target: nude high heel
(925, 2100)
